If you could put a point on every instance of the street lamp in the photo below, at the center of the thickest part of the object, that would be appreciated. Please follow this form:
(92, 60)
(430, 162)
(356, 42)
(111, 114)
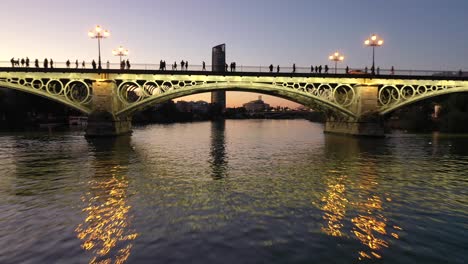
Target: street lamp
(99, 33)
(373, 41)
(120, 51)
(336, 57)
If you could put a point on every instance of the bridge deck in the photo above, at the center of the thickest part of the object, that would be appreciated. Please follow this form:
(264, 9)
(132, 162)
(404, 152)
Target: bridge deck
(236, 73)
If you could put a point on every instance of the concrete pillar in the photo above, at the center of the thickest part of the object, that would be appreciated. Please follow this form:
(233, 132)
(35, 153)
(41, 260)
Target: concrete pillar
(368, 121)
(102, 121)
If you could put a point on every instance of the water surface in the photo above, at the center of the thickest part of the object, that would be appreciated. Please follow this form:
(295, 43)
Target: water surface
(249, 191)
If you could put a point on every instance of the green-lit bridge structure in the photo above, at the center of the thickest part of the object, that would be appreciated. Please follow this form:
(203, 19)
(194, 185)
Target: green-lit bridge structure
(354, 103)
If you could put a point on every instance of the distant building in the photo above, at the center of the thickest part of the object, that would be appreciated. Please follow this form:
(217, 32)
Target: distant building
(192, 107)
(218, 62)
(257, 105)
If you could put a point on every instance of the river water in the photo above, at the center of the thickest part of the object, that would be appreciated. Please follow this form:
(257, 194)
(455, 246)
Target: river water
(249, 191)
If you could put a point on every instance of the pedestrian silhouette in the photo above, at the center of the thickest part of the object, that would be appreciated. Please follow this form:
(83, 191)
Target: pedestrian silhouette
(234, 66)
(27, 62)
(316, 69)
(226, 67)
(203, 66)
(76, 64)
(22, 62)
(365, 69)
(182, 65)
(68, 63)
(122, 65)
(278, 68)
(320, 69)
(12, 62)
(108, 64)
(36, 63)
(392, 71)
(347, 69)
(46, 63)
(326, 68)
(294, 67)
(378, 70)
(128, 64)
(271, 67)
(231, 66)
(186, 65)
(93, 63)
(83, 64)
(51, 63)
(311, 68)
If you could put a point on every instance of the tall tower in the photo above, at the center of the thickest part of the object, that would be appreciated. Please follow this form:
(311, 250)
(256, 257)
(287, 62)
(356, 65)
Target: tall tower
(218, 62)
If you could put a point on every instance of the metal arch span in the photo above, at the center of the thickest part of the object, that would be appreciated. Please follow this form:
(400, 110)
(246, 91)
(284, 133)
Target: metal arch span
(74, 93)
(136, 95)
(394, 96)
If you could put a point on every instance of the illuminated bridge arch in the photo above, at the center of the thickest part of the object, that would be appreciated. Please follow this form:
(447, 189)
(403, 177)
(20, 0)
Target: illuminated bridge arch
(138, 95)
(392, 97)
(74, 93)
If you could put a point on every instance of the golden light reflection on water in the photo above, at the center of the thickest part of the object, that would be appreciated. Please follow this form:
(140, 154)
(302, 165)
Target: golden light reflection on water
(369, 227)
(106, 230)
(335, 207)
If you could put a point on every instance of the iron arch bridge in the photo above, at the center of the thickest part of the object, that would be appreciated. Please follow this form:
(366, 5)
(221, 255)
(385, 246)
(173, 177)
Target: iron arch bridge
(133, 91)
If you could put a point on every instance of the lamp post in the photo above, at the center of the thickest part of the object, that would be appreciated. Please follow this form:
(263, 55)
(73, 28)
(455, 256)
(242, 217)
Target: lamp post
(99, 33)
(373, 41)
(120, 51)
(336, 57)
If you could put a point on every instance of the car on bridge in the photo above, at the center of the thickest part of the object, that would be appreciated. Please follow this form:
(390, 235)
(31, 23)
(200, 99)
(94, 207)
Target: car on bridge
(356, 72)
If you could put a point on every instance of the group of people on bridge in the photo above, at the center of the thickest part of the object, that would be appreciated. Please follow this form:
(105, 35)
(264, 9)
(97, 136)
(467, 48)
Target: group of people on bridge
(125, 65)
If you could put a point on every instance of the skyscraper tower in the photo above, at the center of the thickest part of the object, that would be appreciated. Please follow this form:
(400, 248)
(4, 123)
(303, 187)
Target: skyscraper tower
(218, 62)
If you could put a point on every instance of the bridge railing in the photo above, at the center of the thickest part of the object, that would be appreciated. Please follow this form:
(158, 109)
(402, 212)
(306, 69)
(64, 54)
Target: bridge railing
(244, 68)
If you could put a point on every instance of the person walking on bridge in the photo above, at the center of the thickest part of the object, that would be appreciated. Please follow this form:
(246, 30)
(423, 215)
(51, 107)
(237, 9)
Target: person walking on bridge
(27, 62)
(76, 64)
(271, 67)
(294, 68)
(182, 65)
(186, 65)
(46, 63)
(51, 64)
(68, 64)
(203, 66)
(326, 68)
(128, 64)
(93, 63)
(83, 64)
(12, 62)
(36, 63)
(278, 68)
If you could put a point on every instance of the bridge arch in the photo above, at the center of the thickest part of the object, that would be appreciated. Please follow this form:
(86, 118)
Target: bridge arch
(75, 94)
(136, 97)
(393, 97)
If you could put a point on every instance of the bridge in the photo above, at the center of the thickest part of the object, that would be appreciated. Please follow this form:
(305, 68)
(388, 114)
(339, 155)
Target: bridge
(354, 103)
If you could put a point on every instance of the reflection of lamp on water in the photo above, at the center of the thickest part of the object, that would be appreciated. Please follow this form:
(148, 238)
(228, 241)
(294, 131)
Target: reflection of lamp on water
(370, 226)
(105, 231)
(335, 207)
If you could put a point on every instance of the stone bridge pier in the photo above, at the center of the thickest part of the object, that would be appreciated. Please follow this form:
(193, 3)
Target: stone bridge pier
(102, 121)
(367, 122)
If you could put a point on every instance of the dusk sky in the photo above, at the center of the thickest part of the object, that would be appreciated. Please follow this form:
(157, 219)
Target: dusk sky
(418, 34)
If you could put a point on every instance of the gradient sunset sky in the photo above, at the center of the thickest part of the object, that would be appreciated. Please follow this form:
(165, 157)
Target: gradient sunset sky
(418, 34)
